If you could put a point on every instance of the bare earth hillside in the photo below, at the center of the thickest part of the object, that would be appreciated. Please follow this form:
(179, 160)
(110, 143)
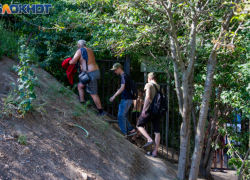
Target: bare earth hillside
(57, 150)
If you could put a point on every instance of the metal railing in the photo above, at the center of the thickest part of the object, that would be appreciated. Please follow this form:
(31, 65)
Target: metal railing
(170, 123)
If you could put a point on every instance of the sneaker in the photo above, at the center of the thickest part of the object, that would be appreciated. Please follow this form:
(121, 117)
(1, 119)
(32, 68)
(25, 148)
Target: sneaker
(224, 171)
(101, 114)
(150, 154)
(148, 144)
(131, 134)
(215, 170)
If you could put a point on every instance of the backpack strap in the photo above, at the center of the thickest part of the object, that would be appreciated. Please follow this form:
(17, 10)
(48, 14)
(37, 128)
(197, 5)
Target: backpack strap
(78, 67)
(129, 81)
(84, 56)
(155, 87)
(127, 75)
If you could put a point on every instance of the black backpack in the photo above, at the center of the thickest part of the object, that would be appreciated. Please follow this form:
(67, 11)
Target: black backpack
(159, 104)
(133, 88)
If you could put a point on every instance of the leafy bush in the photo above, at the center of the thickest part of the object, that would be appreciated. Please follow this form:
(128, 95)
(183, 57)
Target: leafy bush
(26, 80)
(8, 42)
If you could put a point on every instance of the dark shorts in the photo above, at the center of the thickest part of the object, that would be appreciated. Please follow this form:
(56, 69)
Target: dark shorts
(149, 118)
(92, 87)
(135, 115)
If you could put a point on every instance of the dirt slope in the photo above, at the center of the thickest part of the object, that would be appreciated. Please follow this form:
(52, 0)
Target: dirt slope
(55, 150)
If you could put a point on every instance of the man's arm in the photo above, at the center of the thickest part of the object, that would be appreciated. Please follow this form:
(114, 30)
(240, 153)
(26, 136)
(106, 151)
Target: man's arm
(146, 102)
(76, 57)
(117, 93)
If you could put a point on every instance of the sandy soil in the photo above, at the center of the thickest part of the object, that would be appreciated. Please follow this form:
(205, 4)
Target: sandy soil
(230, 175)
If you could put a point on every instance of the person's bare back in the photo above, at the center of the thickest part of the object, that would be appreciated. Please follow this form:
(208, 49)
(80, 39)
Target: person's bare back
(92, 66)
(137, 104)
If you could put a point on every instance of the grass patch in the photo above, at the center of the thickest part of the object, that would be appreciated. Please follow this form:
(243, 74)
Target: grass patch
(22, 139)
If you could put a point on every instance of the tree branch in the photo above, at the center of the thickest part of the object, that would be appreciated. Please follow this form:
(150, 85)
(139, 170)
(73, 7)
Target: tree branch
(232, 146)
(192, 45)
(129, 24)
(241, 168)
(212, 126)
(175, 41)
(239, 27)
(43, 28)
(194, 119)
(151, 16)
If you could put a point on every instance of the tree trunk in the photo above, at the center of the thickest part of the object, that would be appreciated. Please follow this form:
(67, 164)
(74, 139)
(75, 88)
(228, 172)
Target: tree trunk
(185, 131)
(206, 159)
(183, 97)
(190, 93)
(203, 116)
(206, 96)
(210, 160)
(187, 87)
(194, 119)
(207, 173)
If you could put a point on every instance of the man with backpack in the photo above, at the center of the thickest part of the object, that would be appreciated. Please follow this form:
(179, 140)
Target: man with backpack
(154, 107)
(126, 100)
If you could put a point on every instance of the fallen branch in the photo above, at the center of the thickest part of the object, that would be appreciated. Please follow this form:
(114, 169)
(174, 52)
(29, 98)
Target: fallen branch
(9, 139)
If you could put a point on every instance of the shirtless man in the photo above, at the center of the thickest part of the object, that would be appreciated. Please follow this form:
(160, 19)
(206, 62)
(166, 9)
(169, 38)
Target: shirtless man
(82, 55)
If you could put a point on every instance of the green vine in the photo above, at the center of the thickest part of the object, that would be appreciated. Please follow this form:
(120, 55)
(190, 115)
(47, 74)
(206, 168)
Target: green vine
(26, 80)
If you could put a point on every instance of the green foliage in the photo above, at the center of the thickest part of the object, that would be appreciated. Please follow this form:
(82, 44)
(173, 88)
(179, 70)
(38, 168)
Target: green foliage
(236, 163)
(8, 42)
(22, 139)
(79, 109)
(141, 28)
(55, 35)
(239, 146)
(9, 104)
(26, 80)
(85, 106)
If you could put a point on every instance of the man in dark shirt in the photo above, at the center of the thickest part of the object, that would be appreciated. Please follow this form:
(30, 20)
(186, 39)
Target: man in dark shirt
(126, 101)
